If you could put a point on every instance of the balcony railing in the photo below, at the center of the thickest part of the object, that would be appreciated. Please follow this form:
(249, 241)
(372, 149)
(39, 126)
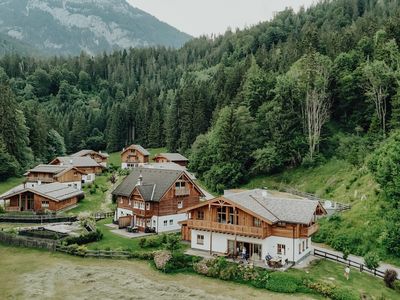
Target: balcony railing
(308, 231)
(228, 228)
(12, 208)
(182, 191)
(42, 179)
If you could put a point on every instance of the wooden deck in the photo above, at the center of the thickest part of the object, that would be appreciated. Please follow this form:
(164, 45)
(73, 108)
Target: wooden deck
(308, 231)
(257, 232)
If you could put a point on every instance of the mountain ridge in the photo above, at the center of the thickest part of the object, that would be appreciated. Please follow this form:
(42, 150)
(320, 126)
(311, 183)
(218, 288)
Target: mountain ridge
(70, 26)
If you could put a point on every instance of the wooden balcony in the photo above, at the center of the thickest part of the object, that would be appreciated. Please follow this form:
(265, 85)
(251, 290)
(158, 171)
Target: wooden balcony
(257, 232)
(309, 231)
(182, 191)
(42, 179)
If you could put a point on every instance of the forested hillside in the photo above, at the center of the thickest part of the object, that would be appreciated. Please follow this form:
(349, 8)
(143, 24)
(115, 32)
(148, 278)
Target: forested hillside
(296, 90)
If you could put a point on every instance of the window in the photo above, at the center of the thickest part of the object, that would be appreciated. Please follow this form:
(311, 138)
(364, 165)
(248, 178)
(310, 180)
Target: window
(299, 248)
(200, 215)
(121, 201)
(221, 214)
(232, 214)
(281, 249)
(306, 243)
(303, 243)
(256, 222)
(135, 204)
(281, 224)
(165, 222)
(171, 222)
(200, 239)
(180, 204)
(130, 202)
(45, 203)
(141, 205)
(180, 184)
(75, 186)
(147, 206)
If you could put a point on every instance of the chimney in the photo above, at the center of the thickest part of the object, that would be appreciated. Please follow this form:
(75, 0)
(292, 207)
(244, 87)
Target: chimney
(140, 179)
(70, 161)
(123, 149)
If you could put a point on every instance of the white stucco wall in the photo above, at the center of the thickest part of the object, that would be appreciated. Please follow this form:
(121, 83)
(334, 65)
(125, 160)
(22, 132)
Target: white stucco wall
(122, 212)
(269, 245)
(158, 222)
(89, 178)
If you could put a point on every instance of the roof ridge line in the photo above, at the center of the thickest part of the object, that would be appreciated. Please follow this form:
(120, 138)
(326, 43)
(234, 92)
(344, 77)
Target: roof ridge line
(264, 207)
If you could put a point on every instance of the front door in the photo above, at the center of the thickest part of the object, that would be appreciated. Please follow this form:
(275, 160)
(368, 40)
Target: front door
(253, 251)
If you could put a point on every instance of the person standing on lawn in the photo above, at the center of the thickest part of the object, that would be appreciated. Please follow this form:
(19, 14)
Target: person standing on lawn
(347, 272)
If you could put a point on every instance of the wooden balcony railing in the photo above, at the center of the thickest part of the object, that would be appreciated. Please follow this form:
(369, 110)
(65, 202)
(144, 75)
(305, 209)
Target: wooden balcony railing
(12, 208)
(182, 191)
(42, 179)
(308, 231)
(228, 228)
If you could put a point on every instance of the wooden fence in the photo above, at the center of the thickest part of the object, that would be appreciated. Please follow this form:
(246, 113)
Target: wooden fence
(103, 215)
(348, 262)
(23, 241)
(36, 218)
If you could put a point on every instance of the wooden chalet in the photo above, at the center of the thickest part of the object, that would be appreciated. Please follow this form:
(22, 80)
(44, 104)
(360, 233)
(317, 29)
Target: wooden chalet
(171, 158)
(151, 198)
(84, 164)
(134, 156)
(262, 222)
(46, 197)
(99, 157)
(43, 174)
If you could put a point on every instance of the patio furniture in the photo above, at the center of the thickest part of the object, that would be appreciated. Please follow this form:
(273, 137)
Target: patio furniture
(275, 262)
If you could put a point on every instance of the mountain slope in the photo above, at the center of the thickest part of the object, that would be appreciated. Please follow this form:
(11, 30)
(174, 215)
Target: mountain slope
(70, 26)
(11, 45)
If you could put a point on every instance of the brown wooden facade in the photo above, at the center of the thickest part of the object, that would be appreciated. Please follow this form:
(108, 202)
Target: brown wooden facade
(72, 175)
(131, 155)
(174, 200)
(224, 216)
(29, 201)
(161, 159)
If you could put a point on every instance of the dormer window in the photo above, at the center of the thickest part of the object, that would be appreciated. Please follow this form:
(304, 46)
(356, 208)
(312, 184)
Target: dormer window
(147, 206)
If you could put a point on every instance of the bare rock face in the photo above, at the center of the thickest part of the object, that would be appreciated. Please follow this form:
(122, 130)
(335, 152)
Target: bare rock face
(71, 26)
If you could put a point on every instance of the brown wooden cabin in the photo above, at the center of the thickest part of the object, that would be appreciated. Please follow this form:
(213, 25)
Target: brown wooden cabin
(256, 219)
(84, 164)
(99, 157)
(152, 198)
(171, 158)
(43, 174)
(47, 197)
(133, 156)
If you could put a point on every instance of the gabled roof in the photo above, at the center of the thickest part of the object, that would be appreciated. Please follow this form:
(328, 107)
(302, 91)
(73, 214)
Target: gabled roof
(138, 148)
(54, 191)
(270, 208)
(76, 161)
(56, 170)
(86, 152)
(172, 156)
(169, 166)
(154, 184)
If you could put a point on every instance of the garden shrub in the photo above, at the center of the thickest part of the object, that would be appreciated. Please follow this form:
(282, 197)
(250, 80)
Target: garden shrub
(390, 278)
(2, 210)
(396, 286)
(180, 262)
(90, 237)
(344, 293)
(261, 280)
(161, 258)
(230, 272)
(142, 242)
(371, 260)
(247, 273)
(173, 242)
(282, 282)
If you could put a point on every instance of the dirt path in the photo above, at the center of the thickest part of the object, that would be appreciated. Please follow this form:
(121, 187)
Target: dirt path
(31, 274)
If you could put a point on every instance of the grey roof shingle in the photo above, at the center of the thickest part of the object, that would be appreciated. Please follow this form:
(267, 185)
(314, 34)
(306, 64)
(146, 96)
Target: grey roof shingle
(173, 156)
(276, 209)
(53, 169)
(55, 191)
(169, 166)
(87, 151)
(138, 148)
(77, 161)
(155, 182)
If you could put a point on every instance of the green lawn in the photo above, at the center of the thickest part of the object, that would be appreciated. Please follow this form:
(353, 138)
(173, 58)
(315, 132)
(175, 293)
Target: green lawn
(364, 283)
(335, 179)
(93, 201)
(113, 241)
(10, 183)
